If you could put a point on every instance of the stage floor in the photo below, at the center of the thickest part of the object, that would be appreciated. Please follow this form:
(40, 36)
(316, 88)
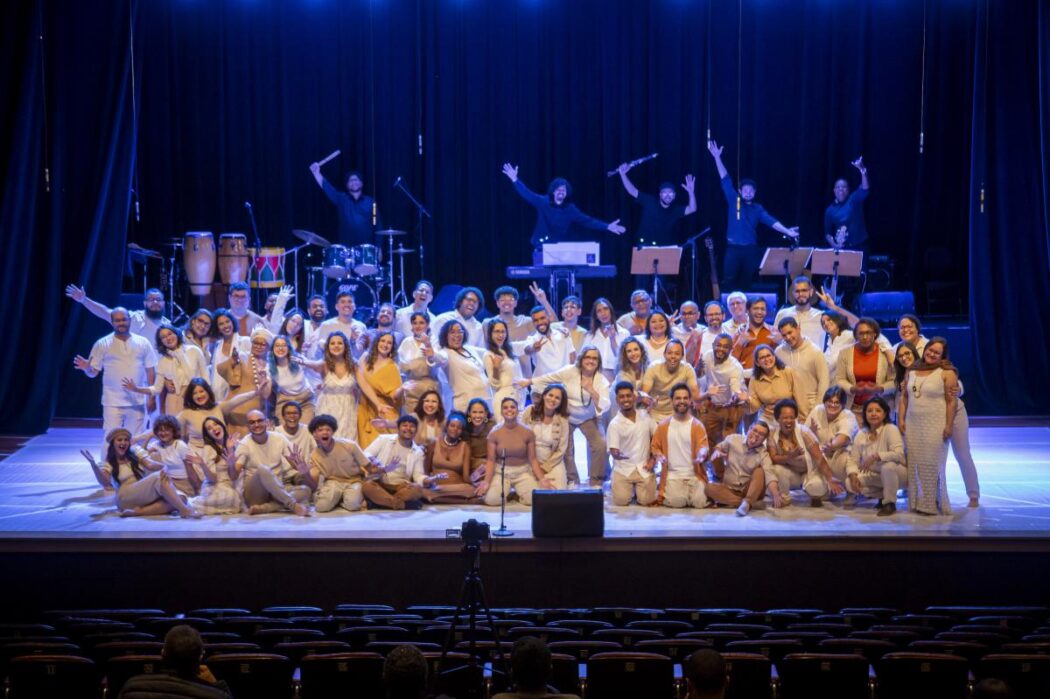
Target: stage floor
(49, 501)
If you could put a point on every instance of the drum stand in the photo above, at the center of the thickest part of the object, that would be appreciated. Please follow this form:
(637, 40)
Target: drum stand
(295, 272)
(401, 297)
(172, 306)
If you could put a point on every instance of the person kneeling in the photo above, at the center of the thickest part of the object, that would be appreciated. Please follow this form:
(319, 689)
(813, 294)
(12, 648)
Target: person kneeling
(398, 480)
(512, 445)
(740, 464)
(680, 445)
(265, 460)
(630, 436)
(336, 469)
(876, 466)
(797, 459)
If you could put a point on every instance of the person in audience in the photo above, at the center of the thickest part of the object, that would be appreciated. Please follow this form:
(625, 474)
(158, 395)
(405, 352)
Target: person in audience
(840, 336)
(530, 670)
(705, 675)
(723, 397)
(588, 393)
(657, 334)
(379, 382)
(630, 438)
(292, 428)
(740, 464)
(876, 467)
(550, 349)
(771, 382)
(641, 305)
(398, 460)
(464, 365)
(803, 312)
(864, 371)
(449, 460)
(141, 489)
(422, 295)
(289, 381)
(549, 421)
(834, 427)
(167, 452)
(468, 305)
(415, 358)
(756, 332)
(405, 673)
(909, 328)
(501, 364)
(185, 674)
(479, 425)
(198, 404)
(662, 376)
(264, 461)
(246, 375)
(511, 463)
(797, 460)
(805, 360)
(679, 446)
(606, 335)
(215, 458)
(336, 468)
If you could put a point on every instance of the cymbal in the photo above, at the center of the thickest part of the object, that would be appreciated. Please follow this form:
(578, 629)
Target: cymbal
(136, 250)
(391, 232)
(310, 237)
(402, 250)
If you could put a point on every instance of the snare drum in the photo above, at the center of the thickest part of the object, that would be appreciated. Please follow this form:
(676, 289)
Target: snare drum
(233, 258)
(198, 258)
(364, 260)
(268, 271)
(335, 261)
(365, 299)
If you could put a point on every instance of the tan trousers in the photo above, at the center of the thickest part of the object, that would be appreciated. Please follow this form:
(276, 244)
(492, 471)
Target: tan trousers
(642, 488)
(519, 478)
(266, 492)
(881, 482)
(685, 492)
(392, 497)
(597, 452)
(334, 494)
(140, 493)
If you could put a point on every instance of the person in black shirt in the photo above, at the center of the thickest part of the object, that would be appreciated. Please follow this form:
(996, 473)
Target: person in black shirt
(659, 214)
(844, 217)
(555, 216)
(358, 213)
(742, 252)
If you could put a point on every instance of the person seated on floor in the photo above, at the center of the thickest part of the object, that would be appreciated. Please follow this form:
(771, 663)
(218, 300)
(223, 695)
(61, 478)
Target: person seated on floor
(740, 464)
(679, 445)
(336, 468)
(876, 467)
(630, 436)
(512, 463)
(797, 459)
(167, 452)
(398, 479)
(270, 482)
(530, 669)
(184, 673)
(834, 427)
(448, 459)
(705, 674)
(292, 429)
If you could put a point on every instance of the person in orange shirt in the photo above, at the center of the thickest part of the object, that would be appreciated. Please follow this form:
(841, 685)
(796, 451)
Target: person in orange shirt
(756, 332)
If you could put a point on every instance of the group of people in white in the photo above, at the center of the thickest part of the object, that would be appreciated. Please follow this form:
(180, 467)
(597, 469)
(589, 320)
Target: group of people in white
(296, 411)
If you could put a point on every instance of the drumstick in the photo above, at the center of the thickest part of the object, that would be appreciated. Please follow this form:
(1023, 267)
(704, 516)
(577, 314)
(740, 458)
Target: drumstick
(331, 156)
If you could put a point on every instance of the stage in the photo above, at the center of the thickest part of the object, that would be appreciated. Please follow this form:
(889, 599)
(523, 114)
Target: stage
(50, 504)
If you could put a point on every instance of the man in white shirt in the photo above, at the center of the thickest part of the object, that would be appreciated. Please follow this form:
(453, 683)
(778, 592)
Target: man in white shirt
(689, 331)
(629, 438)
(399, 460)
(724, 392)
(738, 317)
(740, 465)
(123, 360)
(240, 301)
(384, 324)
(422, 295)
(550, 349)
(679, 445)
(294, 431)
(808, 317)
(265, 458)
(345, 322)
(144, 323)
(713, 317)
(467, 305)
(808, 362)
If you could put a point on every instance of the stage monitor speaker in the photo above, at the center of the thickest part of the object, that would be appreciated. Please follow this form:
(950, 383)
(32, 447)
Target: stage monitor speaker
(561, 513)
(886, 306)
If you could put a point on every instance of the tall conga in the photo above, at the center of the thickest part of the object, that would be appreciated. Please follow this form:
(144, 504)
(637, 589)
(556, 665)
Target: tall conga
(198, 258)
(268, 269)
(233, 258)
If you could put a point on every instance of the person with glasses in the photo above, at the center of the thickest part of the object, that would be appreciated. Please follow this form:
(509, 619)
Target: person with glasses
(864, 371)
(834, 427)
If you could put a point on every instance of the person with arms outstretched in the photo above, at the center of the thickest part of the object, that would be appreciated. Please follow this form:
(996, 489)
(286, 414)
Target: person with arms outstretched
(659, 213)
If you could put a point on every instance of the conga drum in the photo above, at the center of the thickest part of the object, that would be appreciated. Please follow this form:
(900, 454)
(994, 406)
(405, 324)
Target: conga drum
(198, 258)
(268, 270)
(233, 258)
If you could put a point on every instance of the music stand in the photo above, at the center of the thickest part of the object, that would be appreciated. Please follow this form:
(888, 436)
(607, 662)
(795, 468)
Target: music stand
(656, 261)
(787, 261)
(847, 263)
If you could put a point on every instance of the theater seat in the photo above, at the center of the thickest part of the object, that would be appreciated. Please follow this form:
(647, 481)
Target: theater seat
(921, 676)
(583, 650)
(256, 675)
(122, 668)
(621, 675)
(823, 676)
(750, 676)
(1027, 675)
(341, 675)
(35, 676)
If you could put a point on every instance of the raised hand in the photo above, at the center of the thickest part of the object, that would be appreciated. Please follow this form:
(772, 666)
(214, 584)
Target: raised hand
(497, 360)
(81, 363)
(287, 290)
(537, 293)
(714, 149)
(511, 171)
(690, 183)
(89, 456)
(539, 343)
(616, 228)
(76, 293)
(859, 164)
(315, 168)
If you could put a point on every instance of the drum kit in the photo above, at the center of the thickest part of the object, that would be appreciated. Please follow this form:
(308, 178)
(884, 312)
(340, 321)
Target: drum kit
(359, 269)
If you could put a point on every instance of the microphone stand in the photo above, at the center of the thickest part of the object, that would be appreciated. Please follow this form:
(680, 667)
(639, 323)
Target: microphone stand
(258, 249)
(502, 531)
(421, 211)
(692, 244)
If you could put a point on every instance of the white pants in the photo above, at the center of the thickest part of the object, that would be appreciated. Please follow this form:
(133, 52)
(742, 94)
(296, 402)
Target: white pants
(332, 494)
(811, 482)
(558, 477)
(685, 492)
(883, 481)
(838, 464)
(519, 478)
(960, 441)
(130, 417)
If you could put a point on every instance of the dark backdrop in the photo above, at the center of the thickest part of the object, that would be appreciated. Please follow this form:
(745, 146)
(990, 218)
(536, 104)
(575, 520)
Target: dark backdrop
(234, 99)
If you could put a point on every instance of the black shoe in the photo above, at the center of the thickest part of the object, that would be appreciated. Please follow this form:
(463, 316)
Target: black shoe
(887, 510)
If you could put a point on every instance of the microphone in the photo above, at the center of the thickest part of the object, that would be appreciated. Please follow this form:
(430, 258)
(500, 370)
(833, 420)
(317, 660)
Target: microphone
(397, 182)
(137, 219)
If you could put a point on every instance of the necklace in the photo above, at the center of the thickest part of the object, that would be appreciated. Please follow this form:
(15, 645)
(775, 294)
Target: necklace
(450, 445)
(916, 388)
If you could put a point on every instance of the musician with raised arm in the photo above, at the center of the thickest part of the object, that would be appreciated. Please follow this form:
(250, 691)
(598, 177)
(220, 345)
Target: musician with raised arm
(659, 213)
(742, 251)
(844, 218)
(358, 213)
(555, 216)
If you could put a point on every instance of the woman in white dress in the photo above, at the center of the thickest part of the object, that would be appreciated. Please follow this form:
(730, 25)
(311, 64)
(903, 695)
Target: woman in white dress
(501, 366)
(289, 380)
(607, 336)
(928, 409)
(337, 394)
(214, 458)
(178, 364)
(549, 421)
(226, 340)
(464, 365)
(839, 337)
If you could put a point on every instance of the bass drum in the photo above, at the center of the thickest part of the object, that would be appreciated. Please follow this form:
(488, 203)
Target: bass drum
(365, 298)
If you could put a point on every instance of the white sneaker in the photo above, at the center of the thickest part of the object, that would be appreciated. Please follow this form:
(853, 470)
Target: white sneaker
(744, 508)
